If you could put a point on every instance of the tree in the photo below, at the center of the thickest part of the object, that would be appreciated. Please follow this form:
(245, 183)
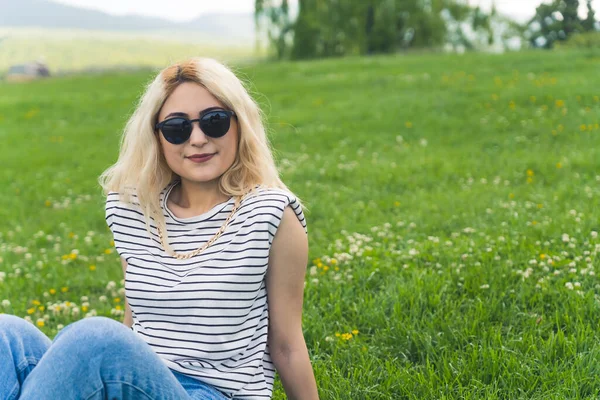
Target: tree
(276, 18)
(589, 24)
(555, 21)
(330, 28)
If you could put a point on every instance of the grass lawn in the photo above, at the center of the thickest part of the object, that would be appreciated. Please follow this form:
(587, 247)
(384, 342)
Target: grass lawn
(452, 215)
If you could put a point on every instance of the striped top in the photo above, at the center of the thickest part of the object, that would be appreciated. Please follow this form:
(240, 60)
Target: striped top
(206, 317)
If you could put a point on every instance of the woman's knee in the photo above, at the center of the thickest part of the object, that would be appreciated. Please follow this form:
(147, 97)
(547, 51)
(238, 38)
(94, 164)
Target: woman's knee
(99, 331)
(21, 336)
(13, 325)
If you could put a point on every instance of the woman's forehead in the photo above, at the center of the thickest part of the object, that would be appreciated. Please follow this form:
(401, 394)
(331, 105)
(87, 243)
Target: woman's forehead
(189, 98)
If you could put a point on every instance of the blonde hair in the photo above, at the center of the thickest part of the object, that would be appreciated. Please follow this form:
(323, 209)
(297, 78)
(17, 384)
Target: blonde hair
(141, 167)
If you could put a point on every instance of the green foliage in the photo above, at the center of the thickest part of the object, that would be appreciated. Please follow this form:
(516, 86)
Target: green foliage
(458, 196)
(330, 28)
(587, 40)
(557, 21)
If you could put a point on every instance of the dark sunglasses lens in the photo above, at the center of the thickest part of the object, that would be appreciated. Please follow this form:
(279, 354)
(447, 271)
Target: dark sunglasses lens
(176, 130)
(215, 123)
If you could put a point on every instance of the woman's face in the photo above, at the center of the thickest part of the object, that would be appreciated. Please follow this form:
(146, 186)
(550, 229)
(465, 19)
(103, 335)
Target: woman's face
(190, 99)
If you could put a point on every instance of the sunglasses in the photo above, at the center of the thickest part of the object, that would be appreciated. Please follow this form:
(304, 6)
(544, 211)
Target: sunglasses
(214, 124)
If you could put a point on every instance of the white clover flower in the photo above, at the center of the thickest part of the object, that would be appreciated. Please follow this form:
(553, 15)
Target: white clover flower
(5, 303)
(569, 285)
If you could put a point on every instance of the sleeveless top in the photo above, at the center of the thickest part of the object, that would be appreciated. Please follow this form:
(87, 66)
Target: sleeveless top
(206, 317)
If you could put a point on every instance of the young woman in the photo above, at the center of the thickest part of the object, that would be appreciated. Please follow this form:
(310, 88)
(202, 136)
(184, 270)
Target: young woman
(214, 251)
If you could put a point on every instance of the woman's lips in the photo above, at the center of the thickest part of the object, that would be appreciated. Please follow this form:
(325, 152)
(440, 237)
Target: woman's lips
(201, 159)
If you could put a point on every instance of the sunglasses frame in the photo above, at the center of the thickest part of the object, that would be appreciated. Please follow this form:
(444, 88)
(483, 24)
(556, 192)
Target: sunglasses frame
(159, 125)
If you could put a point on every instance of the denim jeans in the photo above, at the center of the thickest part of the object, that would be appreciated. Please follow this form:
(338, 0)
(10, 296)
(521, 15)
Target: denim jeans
(92, 359)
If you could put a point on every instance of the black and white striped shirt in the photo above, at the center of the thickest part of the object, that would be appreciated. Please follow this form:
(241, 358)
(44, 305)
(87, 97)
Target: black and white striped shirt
(206, 317)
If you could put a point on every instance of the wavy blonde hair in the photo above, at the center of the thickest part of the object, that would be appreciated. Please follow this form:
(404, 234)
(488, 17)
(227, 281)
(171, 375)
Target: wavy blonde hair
(142, 168)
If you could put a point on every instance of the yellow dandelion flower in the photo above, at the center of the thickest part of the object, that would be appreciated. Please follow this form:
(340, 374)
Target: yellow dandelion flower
(397, 203)
(530, 172)
(52, 291)
(355, 332)
(334, 261)
(40, 322)
(512, 105)
(511, 195)
(533, 222)
(72, 256)
(65, 257)
(36, 302)
(107, 251)
(32, 113)
(529, 180)
(583, 127)
(117, 299)
(337, 334)
(64, 289)
(30, 310)
(337, 269)
(408, 124)
(326, 268)
(92, 267)
(118, 308)
(319, 265)
(48, 203)
(71, 235)
(41, 308)
(542, 256)
(559, 103)
(68, 303)
(112, 243)
(558, 165)
(84, 308)
(540, 206)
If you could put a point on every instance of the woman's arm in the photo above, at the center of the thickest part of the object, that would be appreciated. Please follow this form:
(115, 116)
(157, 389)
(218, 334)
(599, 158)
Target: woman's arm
(285, 289)
(128, 320)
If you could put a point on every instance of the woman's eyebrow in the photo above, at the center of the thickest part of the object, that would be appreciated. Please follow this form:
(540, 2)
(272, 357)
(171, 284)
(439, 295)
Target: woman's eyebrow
(176, 114)
(182, 114)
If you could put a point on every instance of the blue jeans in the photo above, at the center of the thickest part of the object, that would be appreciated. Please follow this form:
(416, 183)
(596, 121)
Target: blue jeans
(91, 359)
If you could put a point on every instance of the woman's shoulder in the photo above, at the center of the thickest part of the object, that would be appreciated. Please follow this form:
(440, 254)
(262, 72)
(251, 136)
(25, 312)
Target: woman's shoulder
(270, 195)
(118, 203)
(272, 202)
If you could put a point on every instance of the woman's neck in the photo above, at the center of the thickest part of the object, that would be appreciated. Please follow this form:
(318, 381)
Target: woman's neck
(196, 198)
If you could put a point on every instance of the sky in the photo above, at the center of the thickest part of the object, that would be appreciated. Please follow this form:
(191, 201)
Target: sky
(183, 10)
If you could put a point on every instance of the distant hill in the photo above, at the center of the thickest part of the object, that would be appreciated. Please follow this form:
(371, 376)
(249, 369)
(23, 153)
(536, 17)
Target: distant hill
(47, 14)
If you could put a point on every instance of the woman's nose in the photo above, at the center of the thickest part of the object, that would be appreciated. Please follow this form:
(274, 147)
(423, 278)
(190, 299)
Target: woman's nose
(197, 137)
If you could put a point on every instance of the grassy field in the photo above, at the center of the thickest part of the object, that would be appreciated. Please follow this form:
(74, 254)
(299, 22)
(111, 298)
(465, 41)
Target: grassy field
(66, 51)
(452, 214)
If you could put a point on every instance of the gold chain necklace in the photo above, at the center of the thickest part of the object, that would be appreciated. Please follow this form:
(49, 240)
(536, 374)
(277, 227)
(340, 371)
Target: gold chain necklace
(217, 235)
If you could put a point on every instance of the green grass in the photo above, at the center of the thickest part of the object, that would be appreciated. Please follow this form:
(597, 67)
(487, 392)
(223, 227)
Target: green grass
(66, 50)
(458, 196)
